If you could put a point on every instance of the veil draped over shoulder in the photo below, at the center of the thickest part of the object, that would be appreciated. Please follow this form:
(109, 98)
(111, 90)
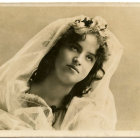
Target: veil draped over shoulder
(93, 111)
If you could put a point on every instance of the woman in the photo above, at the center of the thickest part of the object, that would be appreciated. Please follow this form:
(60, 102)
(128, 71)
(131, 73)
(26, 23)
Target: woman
(60, 79)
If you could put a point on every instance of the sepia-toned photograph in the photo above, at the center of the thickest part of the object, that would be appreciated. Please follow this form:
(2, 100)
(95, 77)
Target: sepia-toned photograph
(69, 69)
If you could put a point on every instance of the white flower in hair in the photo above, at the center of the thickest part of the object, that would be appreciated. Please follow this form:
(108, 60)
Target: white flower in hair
(97, 25)
(101, 24)
(82, 26)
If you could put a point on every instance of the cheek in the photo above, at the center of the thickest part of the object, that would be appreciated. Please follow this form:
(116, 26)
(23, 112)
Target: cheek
(87, 66)
(63, 58)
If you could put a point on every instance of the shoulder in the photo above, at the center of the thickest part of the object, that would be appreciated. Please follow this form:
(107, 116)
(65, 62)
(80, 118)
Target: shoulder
(83, 113)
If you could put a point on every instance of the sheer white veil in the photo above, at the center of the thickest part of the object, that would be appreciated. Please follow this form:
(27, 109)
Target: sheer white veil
(96, 109)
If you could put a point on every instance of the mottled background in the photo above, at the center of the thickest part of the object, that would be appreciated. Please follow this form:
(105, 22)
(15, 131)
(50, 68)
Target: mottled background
(18, 23)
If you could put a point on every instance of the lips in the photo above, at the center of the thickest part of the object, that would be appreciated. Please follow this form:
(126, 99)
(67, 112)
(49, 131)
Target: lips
(73, 67)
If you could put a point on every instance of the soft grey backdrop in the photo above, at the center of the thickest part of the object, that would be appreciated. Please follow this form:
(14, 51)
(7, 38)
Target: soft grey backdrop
(19, 23)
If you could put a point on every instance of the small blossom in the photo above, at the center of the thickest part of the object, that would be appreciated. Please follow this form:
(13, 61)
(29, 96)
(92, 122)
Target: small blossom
(100, 23)
(87, 22)
(81, 30)
(97, 25)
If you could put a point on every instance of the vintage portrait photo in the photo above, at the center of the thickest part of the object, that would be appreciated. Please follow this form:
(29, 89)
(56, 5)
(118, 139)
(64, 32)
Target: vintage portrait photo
(70, 67)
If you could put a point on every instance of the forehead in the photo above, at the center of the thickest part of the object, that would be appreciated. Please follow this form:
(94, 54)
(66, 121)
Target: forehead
(90, 43)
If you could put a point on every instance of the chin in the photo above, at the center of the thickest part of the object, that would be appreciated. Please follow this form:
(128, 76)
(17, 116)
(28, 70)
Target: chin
(68, 80)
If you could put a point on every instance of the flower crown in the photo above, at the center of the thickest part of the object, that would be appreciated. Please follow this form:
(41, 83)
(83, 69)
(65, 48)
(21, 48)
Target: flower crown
(97, 25)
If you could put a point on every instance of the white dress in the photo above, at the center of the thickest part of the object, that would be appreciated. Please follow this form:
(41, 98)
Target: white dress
(94, 111)
(35, 114)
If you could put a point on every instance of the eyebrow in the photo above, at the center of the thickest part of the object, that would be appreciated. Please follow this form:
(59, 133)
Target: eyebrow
(82, 48)
(77, 44)
(92, 54)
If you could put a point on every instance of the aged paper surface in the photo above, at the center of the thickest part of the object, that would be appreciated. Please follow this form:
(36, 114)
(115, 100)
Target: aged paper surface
(19, 22)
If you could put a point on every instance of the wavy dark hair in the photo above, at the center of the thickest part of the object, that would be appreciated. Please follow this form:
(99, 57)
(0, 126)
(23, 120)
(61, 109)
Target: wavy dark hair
(47, 64)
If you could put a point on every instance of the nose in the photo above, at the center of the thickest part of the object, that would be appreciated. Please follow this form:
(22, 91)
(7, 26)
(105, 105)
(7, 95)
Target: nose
(76, 61)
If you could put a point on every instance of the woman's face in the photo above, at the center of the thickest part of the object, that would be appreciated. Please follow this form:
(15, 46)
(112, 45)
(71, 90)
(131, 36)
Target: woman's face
(75, 60)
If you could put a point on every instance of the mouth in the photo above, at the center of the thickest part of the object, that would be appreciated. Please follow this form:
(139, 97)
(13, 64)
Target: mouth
(73, 68)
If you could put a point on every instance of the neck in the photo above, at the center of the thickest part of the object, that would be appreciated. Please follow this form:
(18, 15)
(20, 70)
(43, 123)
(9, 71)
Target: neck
(52, 90)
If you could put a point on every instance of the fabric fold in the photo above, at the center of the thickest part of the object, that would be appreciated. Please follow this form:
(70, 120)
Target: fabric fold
(95, 110)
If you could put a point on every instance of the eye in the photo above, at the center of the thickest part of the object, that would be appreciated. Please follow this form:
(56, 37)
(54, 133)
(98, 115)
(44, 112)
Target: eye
(89, 58)
(74, 48)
